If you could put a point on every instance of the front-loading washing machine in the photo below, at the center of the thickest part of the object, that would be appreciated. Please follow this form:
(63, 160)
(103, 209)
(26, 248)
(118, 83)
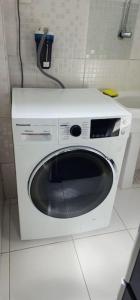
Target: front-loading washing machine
(69, 146)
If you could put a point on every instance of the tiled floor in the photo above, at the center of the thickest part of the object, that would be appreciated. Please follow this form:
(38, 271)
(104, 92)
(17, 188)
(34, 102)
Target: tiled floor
(84, 267)
(137, 178)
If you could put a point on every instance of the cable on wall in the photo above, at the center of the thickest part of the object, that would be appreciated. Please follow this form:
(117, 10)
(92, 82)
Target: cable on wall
(38, 53)
(19, 44)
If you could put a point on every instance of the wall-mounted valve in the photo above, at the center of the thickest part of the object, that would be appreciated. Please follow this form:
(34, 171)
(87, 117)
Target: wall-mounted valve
(46, 48)
(124, 33)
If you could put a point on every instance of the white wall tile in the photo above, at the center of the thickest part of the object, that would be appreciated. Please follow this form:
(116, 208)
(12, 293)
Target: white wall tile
(104, 25)
(69, 71)
(4, 74)
(133, 75)
(68, 20)
(11, 25)
(135, 51)
(14, 70)
(106, 73)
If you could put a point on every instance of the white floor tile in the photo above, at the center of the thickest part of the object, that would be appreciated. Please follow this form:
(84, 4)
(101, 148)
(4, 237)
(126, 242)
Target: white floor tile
(127, 204)
(5, 228)
(115, 225)
(4, 277)
(104, 260)
(47, 272)
(17, 244)
(133, 233)
(137, 178)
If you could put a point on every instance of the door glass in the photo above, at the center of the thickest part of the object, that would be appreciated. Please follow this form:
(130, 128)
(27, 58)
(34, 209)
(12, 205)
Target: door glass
(71, 184)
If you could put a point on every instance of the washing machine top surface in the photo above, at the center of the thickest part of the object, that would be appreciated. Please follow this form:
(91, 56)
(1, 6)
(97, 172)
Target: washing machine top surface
(63, 103)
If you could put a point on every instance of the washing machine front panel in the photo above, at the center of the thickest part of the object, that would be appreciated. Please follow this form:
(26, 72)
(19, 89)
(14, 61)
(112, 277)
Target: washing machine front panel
(71, 182)
(44, 121)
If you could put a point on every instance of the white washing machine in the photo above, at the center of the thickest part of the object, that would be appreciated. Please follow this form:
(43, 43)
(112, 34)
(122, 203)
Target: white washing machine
(69, 146)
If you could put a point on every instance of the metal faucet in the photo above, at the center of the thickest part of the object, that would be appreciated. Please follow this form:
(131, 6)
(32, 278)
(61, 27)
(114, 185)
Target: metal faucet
(123, 33)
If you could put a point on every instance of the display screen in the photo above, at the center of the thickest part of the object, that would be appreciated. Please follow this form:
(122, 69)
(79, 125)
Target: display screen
(102, 128)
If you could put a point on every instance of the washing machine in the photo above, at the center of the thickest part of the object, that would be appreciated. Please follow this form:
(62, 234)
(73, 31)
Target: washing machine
(69, 146)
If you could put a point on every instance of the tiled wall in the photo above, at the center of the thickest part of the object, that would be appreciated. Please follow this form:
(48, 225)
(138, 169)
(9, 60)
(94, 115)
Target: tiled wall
(74, 59)
(4, 76)
(77, 36)
(104, 26)
(6, 147)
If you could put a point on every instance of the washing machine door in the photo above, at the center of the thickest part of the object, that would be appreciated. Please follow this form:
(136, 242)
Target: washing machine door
(71, 182)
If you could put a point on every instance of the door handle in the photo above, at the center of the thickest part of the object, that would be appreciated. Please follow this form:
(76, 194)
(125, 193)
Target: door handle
(36, 134)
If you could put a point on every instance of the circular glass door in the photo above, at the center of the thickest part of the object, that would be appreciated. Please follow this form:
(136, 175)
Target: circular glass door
(71, 182)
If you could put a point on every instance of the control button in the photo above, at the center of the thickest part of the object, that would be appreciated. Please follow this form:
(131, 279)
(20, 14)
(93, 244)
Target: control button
(75, 130)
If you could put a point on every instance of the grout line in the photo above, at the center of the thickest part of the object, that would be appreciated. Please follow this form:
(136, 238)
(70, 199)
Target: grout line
(5, 252)
(136, 186)
(134, 238)
(4, 208)
(123, 223)
(120, 217)
(2, 225)
(41, 245)
(85, 60)
(65, 241)
(81, 269)
(133, 187)
(9, 251)
(87, 30)
(132, 228)
(98, 234)
(131, 236)
(9, 248)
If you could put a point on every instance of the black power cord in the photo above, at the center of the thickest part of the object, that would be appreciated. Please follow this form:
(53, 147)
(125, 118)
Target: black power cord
(19, 44)
(38, 54)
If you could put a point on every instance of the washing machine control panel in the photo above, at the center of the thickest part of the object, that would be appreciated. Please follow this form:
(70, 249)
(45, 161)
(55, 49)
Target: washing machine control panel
(74, 129)
(69, 130)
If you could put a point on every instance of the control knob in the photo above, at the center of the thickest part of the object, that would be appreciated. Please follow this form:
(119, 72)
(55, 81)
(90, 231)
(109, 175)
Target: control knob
(75, 130)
